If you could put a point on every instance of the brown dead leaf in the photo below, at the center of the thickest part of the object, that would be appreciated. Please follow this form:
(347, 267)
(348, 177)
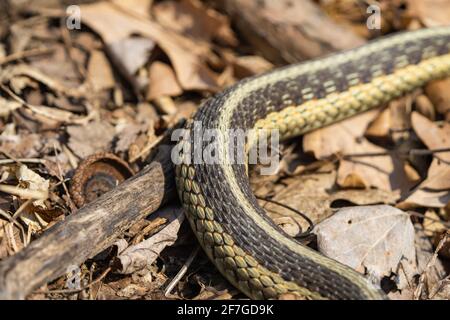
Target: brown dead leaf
(439, 94)
(425, 106)
(375, 239)
(339, 137)
(131, 53)
(22, 145)
(33, 182)
(57, 66)
(100, 74)
(191, 18)
(431, 13)
(187, 56)
(91, 138)
(393, 122)
(6, 106)
(380, 127)
(433, 136)
(247, 66)
(137, 7)
(162, 81)
(385, 172)
(315, 195)
(22, 70)
(435, 190)
(126, 135)
(432, 224)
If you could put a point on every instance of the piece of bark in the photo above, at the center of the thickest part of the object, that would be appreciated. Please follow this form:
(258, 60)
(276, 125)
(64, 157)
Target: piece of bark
(289, 31)
(91, 230)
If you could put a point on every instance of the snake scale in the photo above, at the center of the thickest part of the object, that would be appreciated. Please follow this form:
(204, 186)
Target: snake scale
(254, 254)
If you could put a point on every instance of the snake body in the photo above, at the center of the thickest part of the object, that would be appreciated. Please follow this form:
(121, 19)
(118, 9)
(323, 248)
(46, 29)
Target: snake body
(252, 252)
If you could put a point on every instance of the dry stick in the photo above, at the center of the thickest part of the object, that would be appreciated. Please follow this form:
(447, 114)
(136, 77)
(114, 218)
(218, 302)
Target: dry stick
(441, 284)
(24, 54)
(15, 222)
(182, 272)
(431, 263)
(21, 161)
(415, 152)
(72, 291)
(92, 229)
(421, 215)
(62, 181)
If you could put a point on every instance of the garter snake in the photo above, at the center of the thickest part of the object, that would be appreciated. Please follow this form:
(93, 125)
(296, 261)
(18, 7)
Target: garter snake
(236, 234)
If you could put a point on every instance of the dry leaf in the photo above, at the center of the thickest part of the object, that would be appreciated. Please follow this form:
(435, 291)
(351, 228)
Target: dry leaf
(433, 136)
(99, 71)
(425, 106)
(143, 254)
(162, 81)
(33, 182)
(187, 56)
(347, 137)
(24, 73)
(6, 106)
(20, 145)
(127, 134)
(58, 66)
(131, 53)
(315, 194)
(136, 7)
(91, 138)
(372, 239)
(247, 66)
(193, 19)
(431, 13)
(439, 93)
(435, 190)
(432, 224)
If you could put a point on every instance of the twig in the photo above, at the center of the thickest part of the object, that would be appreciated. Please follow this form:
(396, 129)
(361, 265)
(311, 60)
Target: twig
(304, 216)
(22, 207)
(149, 228)
(147, 148)
(62, 181)
(431, 263)
(181, 273)
(417, 152)
(15, 222)
(22, 160)
(24, 54)
(72, 291)
(421, 215)
(24, 193)
(441, 284)
(48, 112)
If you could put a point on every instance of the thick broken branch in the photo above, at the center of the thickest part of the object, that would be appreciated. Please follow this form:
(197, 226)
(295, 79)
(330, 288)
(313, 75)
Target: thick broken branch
(91, 230)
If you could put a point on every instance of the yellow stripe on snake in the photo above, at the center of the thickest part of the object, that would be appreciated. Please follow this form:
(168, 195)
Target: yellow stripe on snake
(252, 252)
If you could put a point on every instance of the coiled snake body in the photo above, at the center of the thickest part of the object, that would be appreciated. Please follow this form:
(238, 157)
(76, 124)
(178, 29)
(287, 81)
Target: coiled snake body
(236, 234)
